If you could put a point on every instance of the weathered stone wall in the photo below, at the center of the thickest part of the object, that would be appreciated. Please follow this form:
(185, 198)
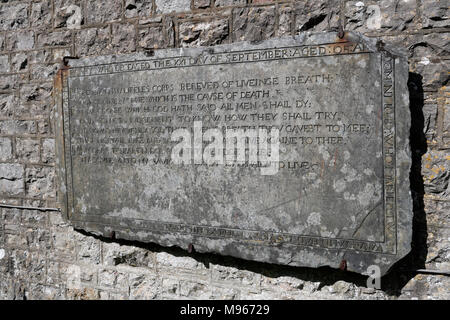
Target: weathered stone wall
(41, 257)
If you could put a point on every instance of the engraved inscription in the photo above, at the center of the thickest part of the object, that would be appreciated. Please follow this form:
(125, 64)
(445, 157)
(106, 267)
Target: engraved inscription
(331, 110)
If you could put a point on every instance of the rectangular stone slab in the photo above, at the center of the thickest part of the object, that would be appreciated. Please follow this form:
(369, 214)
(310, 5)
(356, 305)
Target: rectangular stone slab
(339, 191)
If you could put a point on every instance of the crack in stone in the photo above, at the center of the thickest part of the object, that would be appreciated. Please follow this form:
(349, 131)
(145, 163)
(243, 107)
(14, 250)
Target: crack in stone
(364, 219)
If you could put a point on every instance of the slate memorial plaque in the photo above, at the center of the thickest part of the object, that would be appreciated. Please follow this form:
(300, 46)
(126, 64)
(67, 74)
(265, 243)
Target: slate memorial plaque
(292, 151)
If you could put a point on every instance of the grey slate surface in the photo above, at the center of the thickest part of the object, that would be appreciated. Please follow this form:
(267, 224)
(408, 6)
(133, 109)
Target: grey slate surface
(338, 195)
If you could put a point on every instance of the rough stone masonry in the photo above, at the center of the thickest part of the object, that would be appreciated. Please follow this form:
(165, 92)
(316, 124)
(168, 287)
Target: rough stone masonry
(42, 257)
